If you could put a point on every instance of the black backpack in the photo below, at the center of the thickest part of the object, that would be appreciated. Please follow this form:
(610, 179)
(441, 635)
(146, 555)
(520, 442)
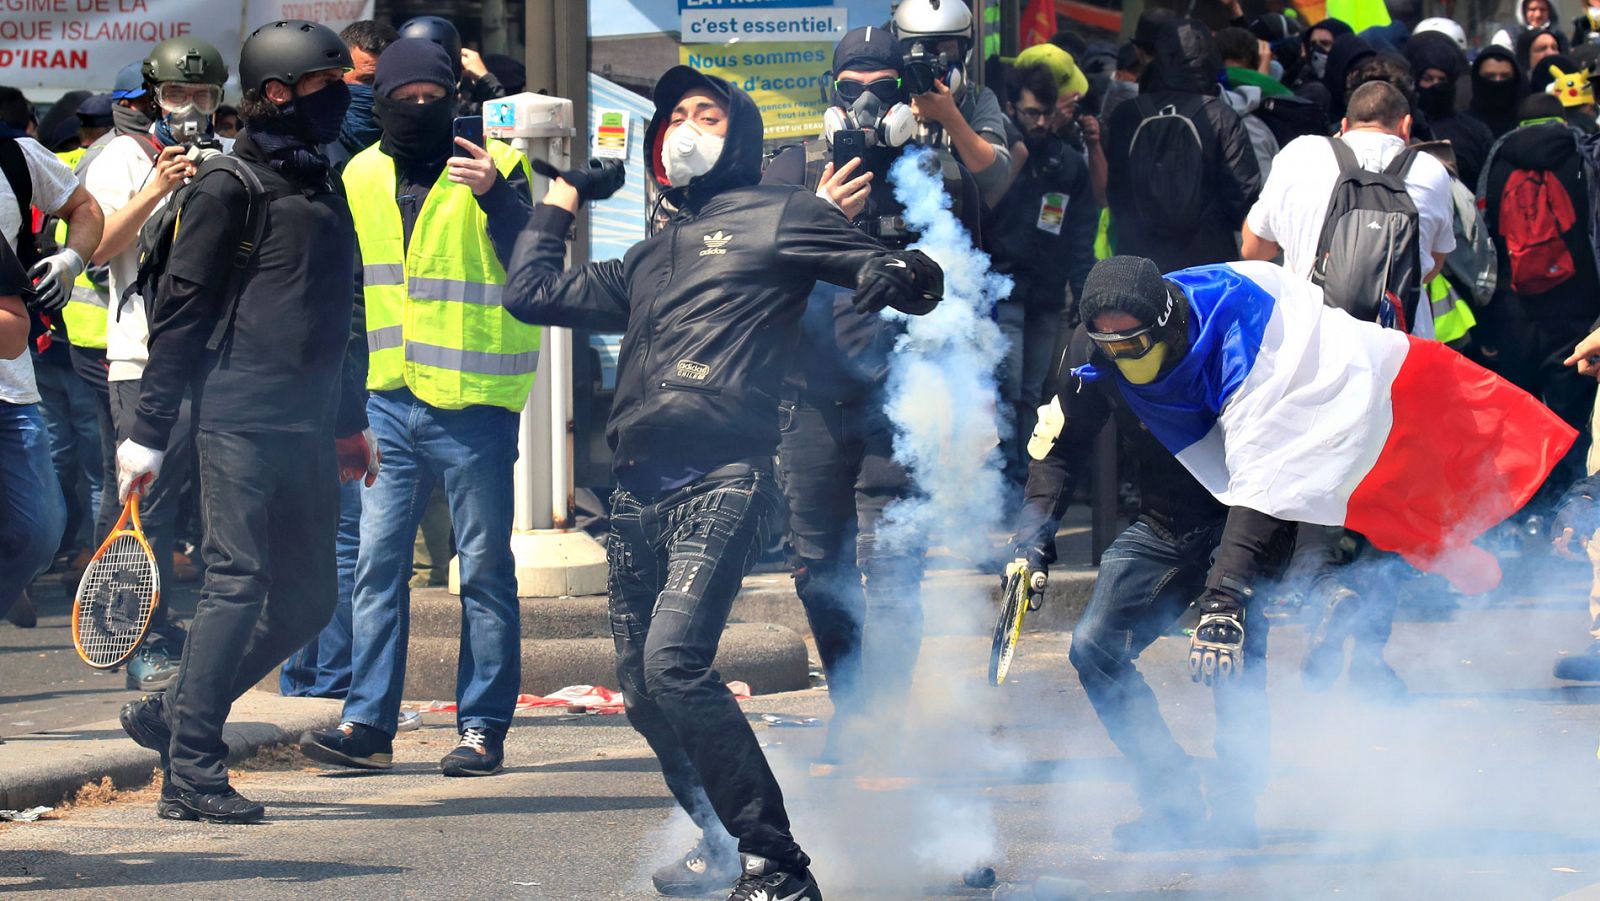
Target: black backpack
(1167, 167)
(1368, 257)
(14, 168)
(1292, 117)
(158, 232)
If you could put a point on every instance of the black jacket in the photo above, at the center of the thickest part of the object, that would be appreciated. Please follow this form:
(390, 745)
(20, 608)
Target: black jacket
(1185, 65)
(294, 357)
(844, 355)
(1549, 146)
(709, 306)
(1041, 260)
(1170, 499)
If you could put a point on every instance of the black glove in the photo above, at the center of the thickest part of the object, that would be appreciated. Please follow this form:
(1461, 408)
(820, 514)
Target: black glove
(908, 280)
(596, 181)
(1216, 651)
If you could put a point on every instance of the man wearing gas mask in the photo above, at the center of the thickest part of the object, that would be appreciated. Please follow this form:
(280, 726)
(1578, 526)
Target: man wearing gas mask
(131, 178)
(711, 308)
(837, 443)
(936, 40)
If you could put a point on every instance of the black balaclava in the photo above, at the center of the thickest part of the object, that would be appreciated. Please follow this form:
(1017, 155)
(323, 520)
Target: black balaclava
(1495, 102)
(1431, 50)
(415, 134)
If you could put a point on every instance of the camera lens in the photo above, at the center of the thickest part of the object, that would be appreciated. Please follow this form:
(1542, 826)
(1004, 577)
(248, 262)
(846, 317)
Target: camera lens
(919, 77)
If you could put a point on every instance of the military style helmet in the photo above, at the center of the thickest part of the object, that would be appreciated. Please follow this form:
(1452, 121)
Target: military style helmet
(288, 50)
(184, 59)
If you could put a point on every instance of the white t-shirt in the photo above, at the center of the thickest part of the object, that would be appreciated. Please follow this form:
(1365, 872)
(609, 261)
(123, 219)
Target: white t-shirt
(1294, 201)
(116, 175)
(53, 184)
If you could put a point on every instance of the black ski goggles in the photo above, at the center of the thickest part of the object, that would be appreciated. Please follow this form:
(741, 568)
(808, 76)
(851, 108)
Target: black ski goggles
(886, 89)
(1125, 345)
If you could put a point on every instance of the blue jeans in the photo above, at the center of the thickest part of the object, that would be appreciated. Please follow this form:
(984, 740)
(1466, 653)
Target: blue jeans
(68, 405)
(1147, 580)
(32, 515)
(321, 669)
(473, 452)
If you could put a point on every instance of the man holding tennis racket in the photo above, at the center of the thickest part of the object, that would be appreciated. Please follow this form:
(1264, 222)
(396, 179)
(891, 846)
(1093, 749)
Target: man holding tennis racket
(269, 399)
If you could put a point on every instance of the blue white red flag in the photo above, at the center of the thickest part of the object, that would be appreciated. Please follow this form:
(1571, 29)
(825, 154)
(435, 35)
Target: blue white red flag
(1300, 411)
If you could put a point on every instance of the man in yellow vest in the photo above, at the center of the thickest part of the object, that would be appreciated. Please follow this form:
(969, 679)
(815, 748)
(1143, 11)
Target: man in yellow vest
(449, 370)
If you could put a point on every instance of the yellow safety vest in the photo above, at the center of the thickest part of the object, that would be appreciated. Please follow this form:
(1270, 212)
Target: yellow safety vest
(435, 324)
(85, 312)
(1452, 317)
(1103, 248)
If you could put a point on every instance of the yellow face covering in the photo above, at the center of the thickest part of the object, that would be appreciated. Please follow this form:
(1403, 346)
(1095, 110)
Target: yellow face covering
(1145, 369)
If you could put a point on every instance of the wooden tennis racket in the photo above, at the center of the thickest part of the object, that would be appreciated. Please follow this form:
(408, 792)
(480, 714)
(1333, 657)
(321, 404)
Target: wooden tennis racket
(119, 593)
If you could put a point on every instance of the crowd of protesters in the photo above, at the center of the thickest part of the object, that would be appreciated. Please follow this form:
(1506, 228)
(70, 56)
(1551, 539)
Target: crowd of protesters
(384, 335)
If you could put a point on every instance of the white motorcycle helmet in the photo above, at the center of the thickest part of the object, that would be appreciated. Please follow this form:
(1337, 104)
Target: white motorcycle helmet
(1450, 28)
(921, 25)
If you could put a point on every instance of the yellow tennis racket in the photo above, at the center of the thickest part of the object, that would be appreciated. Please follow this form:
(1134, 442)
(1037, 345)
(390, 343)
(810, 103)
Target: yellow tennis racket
(1024, 591)
(119, 593)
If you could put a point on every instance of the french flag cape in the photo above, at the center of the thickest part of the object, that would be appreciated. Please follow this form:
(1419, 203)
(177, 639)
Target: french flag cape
(1300, 411)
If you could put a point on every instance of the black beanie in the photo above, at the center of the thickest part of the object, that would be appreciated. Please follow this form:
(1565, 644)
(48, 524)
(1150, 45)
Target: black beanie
(1124, 284)
(866, 49)
(410, 60)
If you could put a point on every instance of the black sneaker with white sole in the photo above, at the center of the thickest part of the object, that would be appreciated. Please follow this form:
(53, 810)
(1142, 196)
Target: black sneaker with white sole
(481, 752)
(351, 744)
(226, 806)
(763, 880)
(704, 868)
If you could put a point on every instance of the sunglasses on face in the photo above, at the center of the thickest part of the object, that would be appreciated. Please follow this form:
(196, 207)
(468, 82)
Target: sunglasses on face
(886, 89)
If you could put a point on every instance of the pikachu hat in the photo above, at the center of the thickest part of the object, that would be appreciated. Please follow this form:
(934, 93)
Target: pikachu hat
(1573, 89)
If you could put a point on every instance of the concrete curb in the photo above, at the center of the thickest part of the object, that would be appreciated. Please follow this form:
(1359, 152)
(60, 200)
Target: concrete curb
(46, 767)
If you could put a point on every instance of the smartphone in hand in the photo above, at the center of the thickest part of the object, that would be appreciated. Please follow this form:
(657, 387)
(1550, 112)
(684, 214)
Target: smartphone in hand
(469, 127)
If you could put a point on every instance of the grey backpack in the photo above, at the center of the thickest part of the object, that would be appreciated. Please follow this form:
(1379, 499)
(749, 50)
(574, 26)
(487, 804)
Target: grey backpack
(1368, 257)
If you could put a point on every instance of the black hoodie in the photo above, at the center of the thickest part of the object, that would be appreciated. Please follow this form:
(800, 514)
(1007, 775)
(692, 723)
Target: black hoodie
(1495, 102)
(1184, 73)
(1469, 138)
(1347, 51)
(709, 306)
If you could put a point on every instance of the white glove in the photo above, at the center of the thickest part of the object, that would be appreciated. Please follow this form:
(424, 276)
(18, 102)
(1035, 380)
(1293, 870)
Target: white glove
(53, 277)
(137, 467)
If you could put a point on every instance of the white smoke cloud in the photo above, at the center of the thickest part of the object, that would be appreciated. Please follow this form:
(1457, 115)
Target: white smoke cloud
(943, 397)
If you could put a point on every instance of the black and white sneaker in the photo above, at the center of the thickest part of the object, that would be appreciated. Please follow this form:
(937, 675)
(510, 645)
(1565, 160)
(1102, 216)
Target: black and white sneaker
(226, 806)
(482, 752)
(352, 744)
(762, 880)
(704, 868)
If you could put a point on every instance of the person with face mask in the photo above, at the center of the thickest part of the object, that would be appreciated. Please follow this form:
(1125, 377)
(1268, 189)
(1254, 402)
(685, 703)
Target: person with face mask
(1498, 87)
(272, 363)
(367, 39)
(132, 176)
(1152, 572)
(711, 308)
(448, 375)
(1437, 65)
(1042, 235)
(836, 443)
(1316, 43)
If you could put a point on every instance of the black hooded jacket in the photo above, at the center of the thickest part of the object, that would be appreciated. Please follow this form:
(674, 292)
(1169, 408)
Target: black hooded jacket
(1547, 146)
(1185, 66)
(1347, 51)
(1525, 47)
(1495, 102)
(1469, 138)
(709, 306)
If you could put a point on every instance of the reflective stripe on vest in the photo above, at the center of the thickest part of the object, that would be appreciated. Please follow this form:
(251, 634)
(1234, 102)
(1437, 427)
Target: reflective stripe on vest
(85, 312)
(1452, 317)
(435, 325)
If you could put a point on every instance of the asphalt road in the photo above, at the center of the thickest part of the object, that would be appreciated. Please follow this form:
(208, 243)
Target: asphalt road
(1483, 785)
(43, 684)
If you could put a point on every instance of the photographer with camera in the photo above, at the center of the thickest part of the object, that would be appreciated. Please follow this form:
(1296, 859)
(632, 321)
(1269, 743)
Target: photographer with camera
(936, 40)
(131, 179)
